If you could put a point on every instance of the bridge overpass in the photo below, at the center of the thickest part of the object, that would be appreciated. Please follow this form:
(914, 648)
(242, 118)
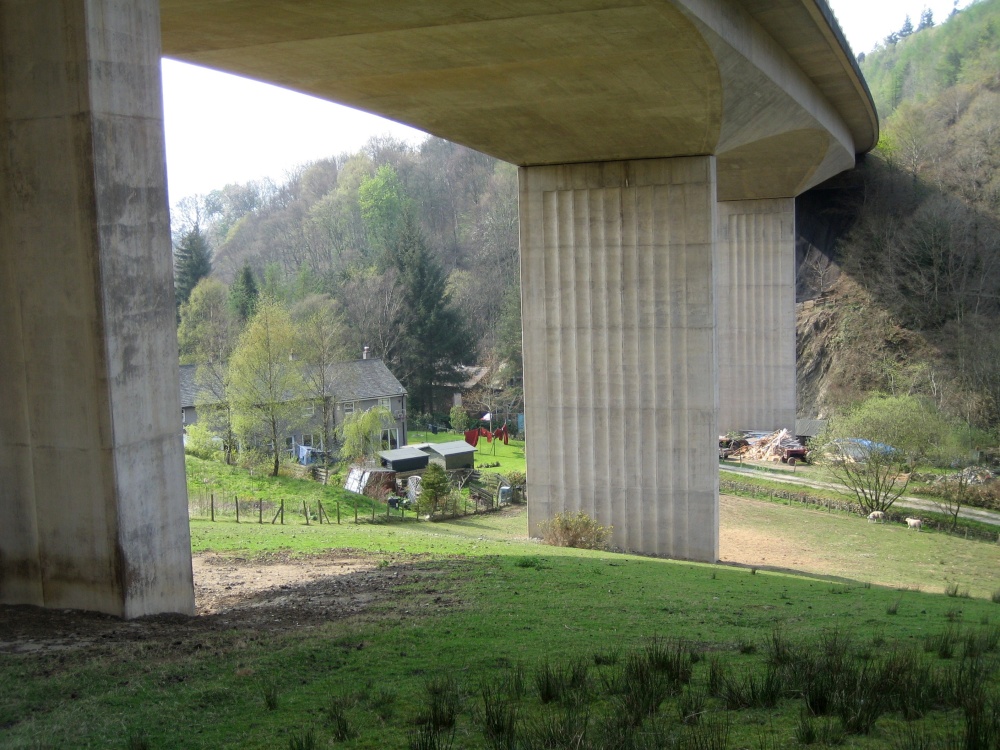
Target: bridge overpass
(661, 144)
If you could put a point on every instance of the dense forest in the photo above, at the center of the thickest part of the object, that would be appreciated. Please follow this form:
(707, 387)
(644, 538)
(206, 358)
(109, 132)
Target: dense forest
(413, 251)
(915, 309)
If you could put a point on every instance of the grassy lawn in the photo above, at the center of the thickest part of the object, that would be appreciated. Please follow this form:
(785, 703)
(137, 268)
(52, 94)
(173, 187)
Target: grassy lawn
(453, 608)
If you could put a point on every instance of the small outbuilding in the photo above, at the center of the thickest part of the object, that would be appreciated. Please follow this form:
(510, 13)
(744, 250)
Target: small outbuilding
(406, 458)
(457, 454)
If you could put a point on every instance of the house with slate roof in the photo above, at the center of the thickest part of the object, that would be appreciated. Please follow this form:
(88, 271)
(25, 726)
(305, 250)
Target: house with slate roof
(358, 385)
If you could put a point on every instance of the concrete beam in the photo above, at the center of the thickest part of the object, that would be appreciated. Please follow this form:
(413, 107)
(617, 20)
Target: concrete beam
(617, 285)
(755, 297)
(92, 490)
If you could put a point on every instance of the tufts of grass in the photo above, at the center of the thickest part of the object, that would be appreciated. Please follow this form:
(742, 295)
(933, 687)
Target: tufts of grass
(427, 737)
(943, 643)
(270, 694)
(336, 717)
(304, 740)
(607, 657)
(691, 706)
(561, 729)
(995, 596)
(642, 689)
(443, 703)
(498, 719)
(753, 688)
(551, 682)
(672, 658)
(530, 561)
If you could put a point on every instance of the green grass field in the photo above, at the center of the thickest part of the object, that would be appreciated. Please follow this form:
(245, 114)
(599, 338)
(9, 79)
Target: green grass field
(454, 607)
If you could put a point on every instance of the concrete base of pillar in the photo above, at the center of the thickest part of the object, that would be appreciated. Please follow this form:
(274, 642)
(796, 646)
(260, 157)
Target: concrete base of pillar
(756, 304)
(617, 285)
(92, 488)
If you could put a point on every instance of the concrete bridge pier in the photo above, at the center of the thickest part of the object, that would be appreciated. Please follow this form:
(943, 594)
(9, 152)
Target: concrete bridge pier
(617, 288)
(92, 495)
(755, 297)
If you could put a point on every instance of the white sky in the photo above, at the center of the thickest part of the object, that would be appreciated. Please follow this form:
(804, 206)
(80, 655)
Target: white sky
(222, 129)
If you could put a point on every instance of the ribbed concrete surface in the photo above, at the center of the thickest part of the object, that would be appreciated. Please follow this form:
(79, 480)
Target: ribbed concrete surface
(756, 312)
(92, 491)
(619, 349)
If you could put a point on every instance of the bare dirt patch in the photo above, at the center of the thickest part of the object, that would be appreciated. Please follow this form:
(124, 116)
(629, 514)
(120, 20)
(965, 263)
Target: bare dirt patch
(275, 593)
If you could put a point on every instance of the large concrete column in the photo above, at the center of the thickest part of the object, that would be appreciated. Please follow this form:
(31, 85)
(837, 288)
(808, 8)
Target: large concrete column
(756, 310)
(93, 508)
(617, 283)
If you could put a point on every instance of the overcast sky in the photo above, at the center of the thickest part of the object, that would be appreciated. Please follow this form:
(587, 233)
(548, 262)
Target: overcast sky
(222, 129)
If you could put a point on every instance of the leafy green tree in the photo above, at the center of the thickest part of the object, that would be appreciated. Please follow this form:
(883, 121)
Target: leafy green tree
(321, 345)
(361, 433)
(206, 337)
(871, 448)
(243, 294)
(459, 418)
(384, 205)
(265, 384)
(192, 262)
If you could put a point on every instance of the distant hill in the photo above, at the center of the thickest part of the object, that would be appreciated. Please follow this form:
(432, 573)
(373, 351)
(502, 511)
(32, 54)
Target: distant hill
(900, 260)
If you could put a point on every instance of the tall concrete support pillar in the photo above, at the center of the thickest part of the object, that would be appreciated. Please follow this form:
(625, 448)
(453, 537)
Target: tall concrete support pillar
(92, 495)
(617, 284)
(756, 309)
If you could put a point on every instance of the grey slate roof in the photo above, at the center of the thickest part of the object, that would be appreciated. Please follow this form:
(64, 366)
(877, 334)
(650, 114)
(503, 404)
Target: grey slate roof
(357, 380)
(453, 448)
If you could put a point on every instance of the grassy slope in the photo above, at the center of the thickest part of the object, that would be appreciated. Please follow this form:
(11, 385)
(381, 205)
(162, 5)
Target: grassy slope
(570, 602)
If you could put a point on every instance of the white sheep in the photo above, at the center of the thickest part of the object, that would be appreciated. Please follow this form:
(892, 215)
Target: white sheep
(914, 523)
(876, 516)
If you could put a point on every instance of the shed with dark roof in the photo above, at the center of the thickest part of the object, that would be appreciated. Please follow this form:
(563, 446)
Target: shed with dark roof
(457, 454)
(404, 459)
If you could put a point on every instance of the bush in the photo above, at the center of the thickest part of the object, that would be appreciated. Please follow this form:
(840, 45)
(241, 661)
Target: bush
(434, 489)
(575, 530)
(201, 443)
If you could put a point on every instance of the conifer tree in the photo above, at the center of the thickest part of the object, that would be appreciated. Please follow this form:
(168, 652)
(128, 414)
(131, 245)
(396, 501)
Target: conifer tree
(192, 263)
(243, 295)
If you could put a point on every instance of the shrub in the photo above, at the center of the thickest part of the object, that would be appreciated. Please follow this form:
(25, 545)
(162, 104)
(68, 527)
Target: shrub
(201, 443)
(575, 530)
(434, 489)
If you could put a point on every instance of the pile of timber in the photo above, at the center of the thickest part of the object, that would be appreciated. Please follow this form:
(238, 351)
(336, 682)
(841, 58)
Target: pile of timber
(770, 447)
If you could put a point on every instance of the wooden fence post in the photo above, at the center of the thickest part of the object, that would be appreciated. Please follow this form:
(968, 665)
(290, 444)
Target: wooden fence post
(236, 497)
(338, 514)
(320, 510)
(282, 511)
(213, 505)
(356, 513)
(260, 510)
(305, 512)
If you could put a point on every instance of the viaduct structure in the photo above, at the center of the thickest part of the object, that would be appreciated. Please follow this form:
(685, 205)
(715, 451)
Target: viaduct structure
(661, 144)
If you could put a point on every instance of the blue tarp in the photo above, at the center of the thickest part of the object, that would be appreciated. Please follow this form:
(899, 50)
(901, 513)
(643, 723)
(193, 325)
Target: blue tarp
(305, 455)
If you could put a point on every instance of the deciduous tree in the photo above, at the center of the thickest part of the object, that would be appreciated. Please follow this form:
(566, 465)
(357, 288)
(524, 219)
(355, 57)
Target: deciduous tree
(265, 384)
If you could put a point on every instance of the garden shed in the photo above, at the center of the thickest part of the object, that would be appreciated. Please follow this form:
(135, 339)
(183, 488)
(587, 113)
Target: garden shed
(457, 454)
(406, 458)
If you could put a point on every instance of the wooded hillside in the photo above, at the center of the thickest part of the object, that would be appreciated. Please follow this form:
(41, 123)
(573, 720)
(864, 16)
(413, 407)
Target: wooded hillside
(916, 308)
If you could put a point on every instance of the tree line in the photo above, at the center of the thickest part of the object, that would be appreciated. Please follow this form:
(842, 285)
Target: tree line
(411, 252)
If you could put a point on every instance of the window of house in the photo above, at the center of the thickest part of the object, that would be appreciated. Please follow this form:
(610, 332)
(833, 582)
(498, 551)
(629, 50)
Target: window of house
(348, 407)
(183, 417)
(386, 402)
(309, 410)
(307, 440)
(390, 438)
(289, 443)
